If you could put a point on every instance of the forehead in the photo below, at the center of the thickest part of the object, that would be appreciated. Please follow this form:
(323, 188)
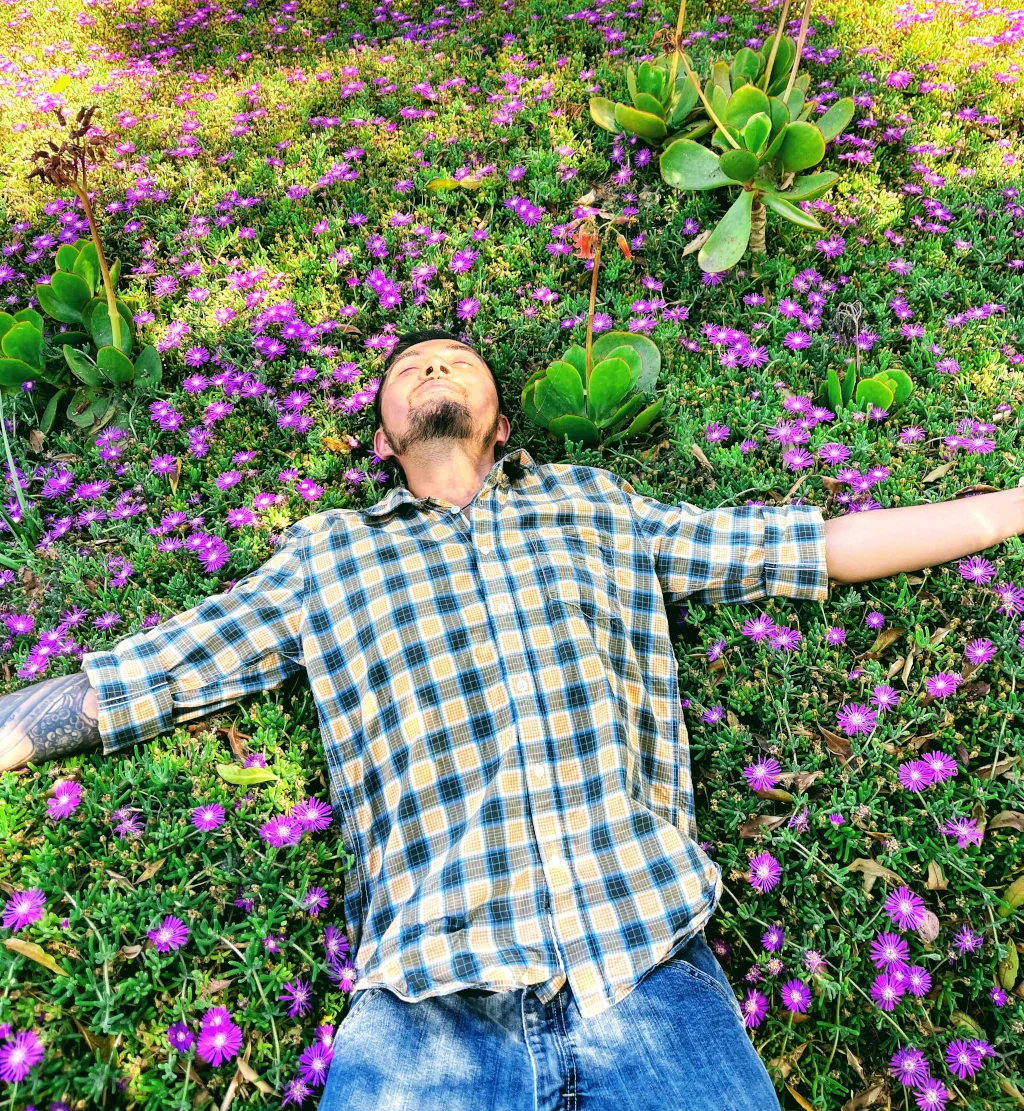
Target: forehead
(436, 347)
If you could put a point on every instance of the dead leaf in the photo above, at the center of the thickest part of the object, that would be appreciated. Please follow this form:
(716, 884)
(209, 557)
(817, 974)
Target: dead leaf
(129, 952)
(936, 880)
(235, 739)
(732, 719)
(907, 666)
(929, 928)
(701, 458)
(35, 439)
(885, 639)
(175, 478)
(895, 667)
(696, 244)
(1008, 819)
(332, 443)
(784, 1065)
(793, 489)
(990, 772)
(876, 1094)
(854, 1062)
(800, 780)
(1010, 1089)
(838, 746)
(832, 485)
(775, 795)
(939, 636)
(977, 488)
(214, 986)
(799, 1098)
(151, 869)
(760, 823)
(124, 881)
(251, 1076)
(971, 692)
(872, 871)
(103, 1042)
(938, 472)
(35, 953)
(979, 815)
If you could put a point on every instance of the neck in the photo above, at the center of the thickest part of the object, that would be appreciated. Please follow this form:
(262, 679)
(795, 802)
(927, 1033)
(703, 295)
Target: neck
(447, 471)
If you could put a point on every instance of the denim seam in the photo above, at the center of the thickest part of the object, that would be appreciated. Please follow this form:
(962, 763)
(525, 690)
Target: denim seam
(706, 978)
(571, 1094)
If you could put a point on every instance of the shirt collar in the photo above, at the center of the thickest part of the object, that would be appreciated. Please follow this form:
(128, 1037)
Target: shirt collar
(510, 466)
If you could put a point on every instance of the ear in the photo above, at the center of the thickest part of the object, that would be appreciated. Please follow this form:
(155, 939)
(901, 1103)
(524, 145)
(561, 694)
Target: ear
(381, 445)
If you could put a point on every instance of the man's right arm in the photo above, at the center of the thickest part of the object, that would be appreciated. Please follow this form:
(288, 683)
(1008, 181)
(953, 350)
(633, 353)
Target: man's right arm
(49, 720)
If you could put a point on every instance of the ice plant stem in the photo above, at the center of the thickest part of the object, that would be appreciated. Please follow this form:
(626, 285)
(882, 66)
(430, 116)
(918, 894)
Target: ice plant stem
(675, 52)
(775, 46)
(805, 18)
(590, 314)
(108, 285)
(704, 100)
(10, 463)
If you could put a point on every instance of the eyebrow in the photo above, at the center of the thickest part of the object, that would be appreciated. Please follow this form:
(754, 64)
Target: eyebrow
(452, 348)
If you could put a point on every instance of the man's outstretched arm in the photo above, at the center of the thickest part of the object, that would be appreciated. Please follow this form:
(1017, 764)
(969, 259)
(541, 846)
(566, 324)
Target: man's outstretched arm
(881, 542)
(49, 720)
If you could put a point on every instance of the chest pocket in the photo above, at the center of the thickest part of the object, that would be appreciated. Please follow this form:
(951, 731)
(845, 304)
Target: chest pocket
(578, 570)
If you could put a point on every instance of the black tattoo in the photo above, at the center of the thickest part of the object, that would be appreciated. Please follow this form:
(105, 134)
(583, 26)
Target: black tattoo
(52, 716)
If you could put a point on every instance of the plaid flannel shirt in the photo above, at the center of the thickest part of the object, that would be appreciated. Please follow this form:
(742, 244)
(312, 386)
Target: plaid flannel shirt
(498, 699)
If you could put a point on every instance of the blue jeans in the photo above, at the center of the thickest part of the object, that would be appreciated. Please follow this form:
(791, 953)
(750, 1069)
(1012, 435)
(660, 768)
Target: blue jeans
(676, 1043)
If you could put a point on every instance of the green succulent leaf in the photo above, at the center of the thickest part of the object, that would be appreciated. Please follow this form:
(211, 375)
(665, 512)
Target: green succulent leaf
(795, 103)
(790, 211)
(756, 132)
(740, 165)
(577, 356)
(836, 118)
(115, 365)
(644, 420)
(103, 334)
(560, 391)
(698, 131)
(245, 777)
(13, 372)
(745, 64)
(530, 410)
(720, 77)
(811, 186)
(609, 384)
(802, 147)
(644, 102)
(631, 84)
(602, 112)
(632, 358)
(719, 100)
(719, 140)
(75, 338)
(644, 124)
(34, 318)
(849, 383)
(686, 99)
(646, 348)
(50, 412)
(650, 79)
(871, 392)
(25, 343)
(783, 59)
(744, 103)
(578, 429)
(67, 256)
(834, 391)
(691, 166)
(64, 298)
(87, 266)
(728, 241)
(82, 367)
(624, 412)
(7, 322)
(148, 369)
(903, 382)
(88, 406)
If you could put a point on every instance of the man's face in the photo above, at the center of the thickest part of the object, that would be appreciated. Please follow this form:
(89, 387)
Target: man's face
(438, 390)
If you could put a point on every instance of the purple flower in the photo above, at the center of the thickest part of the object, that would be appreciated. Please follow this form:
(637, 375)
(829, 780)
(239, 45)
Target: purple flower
(18, 1058)
(796, 996)
(773, 938)
(962, 1058)
(889, 950)
(763, 775)
(976, 569)
(179, 1037)
(785, 639)
(315, 900)
(219, 1038)
(797, 458)
(915, 775)
(905, 908)
(1011, 599)
(797, 340)
(67, 796)
(919, 980)
(884, 697)
(835, 635)
(875, 620)
(856, 718)
(965, 830)
(757, 628)
(315, 1062)
(23, 908)
(713, 715)
(980, 651)
(754, 1008)
(312, 814)
(209, 816)
(171, 934)
(931, 1095)
(281, 830)
(299, 995)
(887, 990)
(943, 684)
(908, 1066)
(765, 872)
(965, 940)
(940, 764)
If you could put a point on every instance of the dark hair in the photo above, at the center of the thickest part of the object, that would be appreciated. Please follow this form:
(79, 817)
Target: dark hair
(405, 341)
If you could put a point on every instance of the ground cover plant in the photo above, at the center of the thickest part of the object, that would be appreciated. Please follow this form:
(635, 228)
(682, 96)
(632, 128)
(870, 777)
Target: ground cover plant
(288, 187)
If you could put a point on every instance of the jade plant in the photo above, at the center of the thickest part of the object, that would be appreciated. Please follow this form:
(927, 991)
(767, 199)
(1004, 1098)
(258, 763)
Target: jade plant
(600, 392)
(886, 389)
(81, 292)
(758, 118)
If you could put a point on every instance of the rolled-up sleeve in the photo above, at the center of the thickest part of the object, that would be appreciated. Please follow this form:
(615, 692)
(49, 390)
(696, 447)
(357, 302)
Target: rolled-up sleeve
(741, 554)
(205, 658)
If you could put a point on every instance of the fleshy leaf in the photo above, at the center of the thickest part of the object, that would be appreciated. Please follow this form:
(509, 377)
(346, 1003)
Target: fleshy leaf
(64, 298)
(83, 368)
(745, 64)
(904, 384)
(644, 124)
(87, 266)
(25, 343)
(740, 165)
(644, 102)
(243, 777)
(744, 103)
(577, 356)
(631, 358)
(13, 372)
(802, 147)
(609, 384)
(602, 112)
(644, 420)
(103, 334)
(646, 348)
(756, 132)
(691, 166)
(67, 256)
(790, 211)
(148, 369)
(836, 118)
(34, 318)
(578, 429)
(729, 240)
(560, 391)
(624, 412)
(115, 365)
(811, 186)
(872, 392)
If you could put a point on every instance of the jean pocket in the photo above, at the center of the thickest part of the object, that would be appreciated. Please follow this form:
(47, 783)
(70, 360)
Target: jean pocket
(359, 1000)
(702, 976)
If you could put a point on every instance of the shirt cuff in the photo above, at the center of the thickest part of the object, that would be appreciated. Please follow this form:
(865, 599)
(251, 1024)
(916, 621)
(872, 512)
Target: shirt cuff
(134, 704)
(794, 552)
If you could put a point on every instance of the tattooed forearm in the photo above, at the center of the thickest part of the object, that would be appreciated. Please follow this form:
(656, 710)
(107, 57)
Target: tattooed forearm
(48, 721)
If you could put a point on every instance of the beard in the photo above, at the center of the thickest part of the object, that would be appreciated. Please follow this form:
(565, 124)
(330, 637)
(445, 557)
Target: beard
(443, 418)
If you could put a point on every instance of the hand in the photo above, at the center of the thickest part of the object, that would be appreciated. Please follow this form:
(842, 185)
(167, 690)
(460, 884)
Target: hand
(48, 721)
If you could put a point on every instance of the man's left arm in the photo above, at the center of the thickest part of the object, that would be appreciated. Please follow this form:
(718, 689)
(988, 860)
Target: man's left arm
(881, 542)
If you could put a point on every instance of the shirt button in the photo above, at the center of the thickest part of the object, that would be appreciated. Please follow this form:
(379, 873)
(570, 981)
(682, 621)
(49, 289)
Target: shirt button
(484, 549)
(537, 775)
(522, 686)
(504, 607)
